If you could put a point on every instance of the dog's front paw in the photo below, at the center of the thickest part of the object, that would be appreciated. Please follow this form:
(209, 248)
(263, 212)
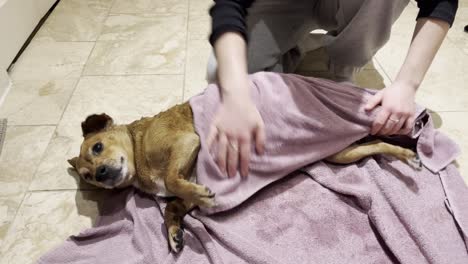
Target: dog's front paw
(204, 197)
(411, 158)
(206, 202)
(405, 154)
(415, 162)
(176, 239)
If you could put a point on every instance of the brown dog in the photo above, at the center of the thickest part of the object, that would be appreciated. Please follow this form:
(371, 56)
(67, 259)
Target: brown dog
(157, 155)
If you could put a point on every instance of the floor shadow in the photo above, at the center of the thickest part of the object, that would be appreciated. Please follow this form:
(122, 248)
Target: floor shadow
(82, 185)
(436, 118)
(105, 207)
(94, 202)
(315, 64)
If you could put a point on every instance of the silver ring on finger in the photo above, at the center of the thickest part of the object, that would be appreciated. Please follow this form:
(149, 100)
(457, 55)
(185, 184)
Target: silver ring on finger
(394, 120)
(233, 146)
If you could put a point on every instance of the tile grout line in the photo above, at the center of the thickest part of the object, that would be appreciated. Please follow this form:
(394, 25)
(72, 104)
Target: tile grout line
(73, 41)
(41, 159)
(64, 190)
(430, 111)
(153, 13)
(33, 125)
(109, 13)
(67, 105)
(77, 82)
(458, 47)
(449, 111)
(383, 69)
(97, 38)
(27, 190)
(136, 74)
(186, 49)
(48, 145)
(455, 44)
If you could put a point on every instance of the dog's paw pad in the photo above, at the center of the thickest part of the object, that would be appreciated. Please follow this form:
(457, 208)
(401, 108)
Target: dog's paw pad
(176, 240)
(207, 202)
(415, 162)
(209, 193)
(203, 192)
(179, 236)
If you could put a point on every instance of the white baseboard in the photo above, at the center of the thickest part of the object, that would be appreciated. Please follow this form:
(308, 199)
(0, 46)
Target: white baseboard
(5, 86)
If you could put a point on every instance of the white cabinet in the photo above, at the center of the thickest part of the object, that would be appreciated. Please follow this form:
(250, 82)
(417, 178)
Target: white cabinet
(18, 18)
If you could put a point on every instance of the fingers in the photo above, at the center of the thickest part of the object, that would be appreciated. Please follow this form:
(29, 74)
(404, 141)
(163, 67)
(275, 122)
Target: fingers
(397, 125)
(375, 100)
(244, 149)
(260, 138)
(408, 127)
(234, 149)
(211, 135)
(379, 121)
(222, 152)
(232, 157)
(396, 122)
(390, 124)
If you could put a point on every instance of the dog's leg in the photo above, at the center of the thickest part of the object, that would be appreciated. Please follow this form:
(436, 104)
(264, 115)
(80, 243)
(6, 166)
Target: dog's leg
(354, 153)
(183, 156)
(173, 216)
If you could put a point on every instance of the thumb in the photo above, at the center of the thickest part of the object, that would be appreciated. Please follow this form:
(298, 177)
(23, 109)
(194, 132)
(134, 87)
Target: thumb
(375, 100)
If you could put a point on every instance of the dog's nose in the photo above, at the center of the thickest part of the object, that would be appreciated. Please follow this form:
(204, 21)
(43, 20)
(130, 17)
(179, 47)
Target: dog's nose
(102, 173)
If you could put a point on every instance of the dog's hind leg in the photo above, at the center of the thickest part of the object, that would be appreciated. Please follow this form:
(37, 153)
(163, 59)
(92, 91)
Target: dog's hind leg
(173, 216)
(356, 152)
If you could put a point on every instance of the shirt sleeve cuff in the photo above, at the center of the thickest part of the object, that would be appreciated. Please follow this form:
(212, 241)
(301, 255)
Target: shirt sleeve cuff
(227, 28)
(445, 10)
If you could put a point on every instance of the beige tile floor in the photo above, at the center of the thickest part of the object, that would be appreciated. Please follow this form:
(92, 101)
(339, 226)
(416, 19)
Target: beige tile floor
(131, 58)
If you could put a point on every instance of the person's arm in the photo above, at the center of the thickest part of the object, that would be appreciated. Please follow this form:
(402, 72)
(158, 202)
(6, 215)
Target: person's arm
(398, 106)
(229, 40)
(428, 36)
(434, 19)
(231, 55)
(237, 123)
(229, 16)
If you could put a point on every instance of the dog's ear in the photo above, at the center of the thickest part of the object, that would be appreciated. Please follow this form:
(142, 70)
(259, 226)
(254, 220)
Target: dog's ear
(73, 162)
(96, 123)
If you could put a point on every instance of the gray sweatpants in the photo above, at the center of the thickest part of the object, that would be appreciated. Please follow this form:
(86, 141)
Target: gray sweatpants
(279, 33)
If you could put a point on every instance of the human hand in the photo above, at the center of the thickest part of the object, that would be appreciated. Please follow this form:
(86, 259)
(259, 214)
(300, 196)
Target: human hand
(234, 126)
(397, 114)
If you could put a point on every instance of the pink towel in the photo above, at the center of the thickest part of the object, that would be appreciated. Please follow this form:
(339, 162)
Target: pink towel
(306, 120)
(294, 208)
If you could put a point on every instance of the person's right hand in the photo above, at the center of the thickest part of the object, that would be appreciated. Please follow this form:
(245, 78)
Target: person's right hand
(235, 126)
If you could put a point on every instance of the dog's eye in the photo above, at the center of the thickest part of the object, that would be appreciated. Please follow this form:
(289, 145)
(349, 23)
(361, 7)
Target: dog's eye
(97, 148)
(87, 176)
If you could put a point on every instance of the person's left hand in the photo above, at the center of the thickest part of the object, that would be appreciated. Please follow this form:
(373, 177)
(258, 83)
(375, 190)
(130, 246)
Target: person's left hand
(397, 113)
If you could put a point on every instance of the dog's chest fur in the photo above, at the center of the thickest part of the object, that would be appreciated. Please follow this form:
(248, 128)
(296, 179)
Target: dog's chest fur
(154, 141)
(159, 189)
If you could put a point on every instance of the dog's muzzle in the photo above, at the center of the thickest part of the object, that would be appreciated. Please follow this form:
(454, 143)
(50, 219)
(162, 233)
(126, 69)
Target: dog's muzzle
(105, 174)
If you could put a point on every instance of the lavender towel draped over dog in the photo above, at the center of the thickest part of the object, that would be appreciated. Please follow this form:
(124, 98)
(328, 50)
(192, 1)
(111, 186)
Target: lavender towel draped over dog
(294, 208)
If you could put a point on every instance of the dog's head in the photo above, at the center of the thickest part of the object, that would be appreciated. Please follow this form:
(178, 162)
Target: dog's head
(106, 155)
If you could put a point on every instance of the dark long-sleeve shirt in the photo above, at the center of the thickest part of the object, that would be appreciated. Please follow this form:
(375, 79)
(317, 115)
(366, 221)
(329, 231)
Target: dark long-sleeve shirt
(229, 15)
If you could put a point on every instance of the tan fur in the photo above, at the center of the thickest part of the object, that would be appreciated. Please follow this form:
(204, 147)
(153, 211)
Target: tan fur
(355, 153)
(158, 154)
